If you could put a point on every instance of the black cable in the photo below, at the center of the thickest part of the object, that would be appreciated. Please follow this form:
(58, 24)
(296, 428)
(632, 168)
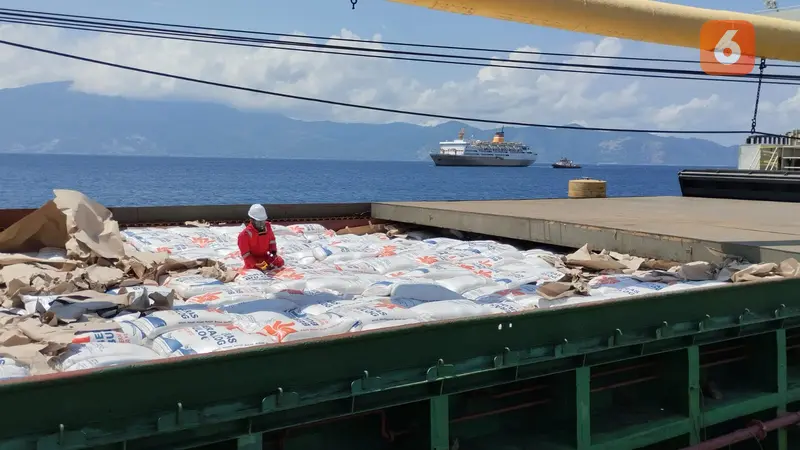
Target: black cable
(170, 35)
(371, 108)
(395, 52)
(363, 41)
(280, 45)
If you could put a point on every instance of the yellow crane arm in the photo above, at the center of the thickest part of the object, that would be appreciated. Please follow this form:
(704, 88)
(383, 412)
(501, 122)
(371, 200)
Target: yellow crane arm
(639, 20)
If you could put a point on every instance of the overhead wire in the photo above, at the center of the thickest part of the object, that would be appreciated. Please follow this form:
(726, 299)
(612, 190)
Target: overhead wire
(225, 40)
(366, 107)
(695, 75)
(19, 12)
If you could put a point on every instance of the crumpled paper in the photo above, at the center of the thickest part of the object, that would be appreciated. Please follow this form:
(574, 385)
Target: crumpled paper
(582, 265)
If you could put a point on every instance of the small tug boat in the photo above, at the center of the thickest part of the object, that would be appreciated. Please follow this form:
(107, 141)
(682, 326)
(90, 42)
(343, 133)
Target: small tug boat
(565, 163)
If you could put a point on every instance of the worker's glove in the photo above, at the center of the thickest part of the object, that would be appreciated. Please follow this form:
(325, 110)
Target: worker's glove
(263, 266)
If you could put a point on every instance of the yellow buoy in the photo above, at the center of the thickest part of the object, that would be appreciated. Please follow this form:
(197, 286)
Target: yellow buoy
(587, 188)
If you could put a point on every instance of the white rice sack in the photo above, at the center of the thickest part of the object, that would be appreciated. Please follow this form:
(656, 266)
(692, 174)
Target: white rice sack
(291, 326)
(488, 247)
(101, 354)
(228, 294)
(149, 327)
(491, 262)
(324, 307)
(227, 232)
(684, 285)
(282, 230)
(201, 339)
(378, 265)
(141, 289)
(154, 239)
(343, 285)
(385, 288)
(306, 228)
(375, 311)
(253, 277)
(229, 257)
(107, 336)
(442, 243)
(296, 278)
(452, 309)
(437, 271)
(10, 368)
(511, 279)
(344, 252)
(524, 295)
(344, 257)
(503, 306)
(30, 302)
(305, 297)
(464, 283)
(190, 285)
(536, 254)
(194, 254)
(453, 255)
(203, 237)
(264, 304)
(391, 247)
(392, 323)
(293, 251)
(615, 286)
(307, 261)
(487, 289)
(415, 289)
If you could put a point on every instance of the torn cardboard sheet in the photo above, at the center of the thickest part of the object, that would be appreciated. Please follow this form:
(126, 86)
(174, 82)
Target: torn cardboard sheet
(7, 259)
(583, 257)
(91, 230)
(30, 355)
(71, 221)
(34, 329)
(72, 308)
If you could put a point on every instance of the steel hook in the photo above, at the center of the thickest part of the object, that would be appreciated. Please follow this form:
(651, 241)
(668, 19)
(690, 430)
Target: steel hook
(353, 2)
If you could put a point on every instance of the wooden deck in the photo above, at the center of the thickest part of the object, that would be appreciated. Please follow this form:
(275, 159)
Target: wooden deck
(675, 228)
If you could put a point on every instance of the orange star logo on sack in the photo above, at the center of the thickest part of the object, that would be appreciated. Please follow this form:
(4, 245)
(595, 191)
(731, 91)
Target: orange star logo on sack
(389, 250)
(201, 242)
(727, 47)
(207, 297)
(280, 330)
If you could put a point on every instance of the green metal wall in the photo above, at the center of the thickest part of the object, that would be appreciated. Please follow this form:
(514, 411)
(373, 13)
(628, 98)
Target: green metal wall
(655, 373)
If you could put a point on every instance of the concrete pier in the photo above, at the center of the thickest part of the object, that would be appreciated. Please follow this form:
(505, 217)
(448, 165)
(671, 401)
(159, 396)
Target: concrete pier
(672, 228)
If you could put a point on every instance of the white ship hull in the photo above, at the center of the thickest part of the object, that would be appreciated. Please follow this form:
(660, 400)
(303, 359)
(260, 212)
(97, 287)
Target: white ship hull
(478, 161)
(475, 153)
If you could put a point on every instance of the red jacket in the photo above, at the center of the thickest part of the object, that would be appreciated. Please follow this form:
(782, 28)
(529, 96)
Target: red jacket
(254, 246)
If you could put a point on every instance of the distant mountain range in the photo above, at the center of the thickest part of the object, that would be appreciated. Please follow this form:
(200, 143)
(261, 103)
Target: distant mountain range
(51, 119)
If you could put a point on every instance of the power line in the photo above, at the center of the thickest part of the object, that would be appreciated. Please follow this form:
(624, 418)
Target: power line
(281, 45)
(177, 36)
(365, 107)
(388, 51)
(367, 41)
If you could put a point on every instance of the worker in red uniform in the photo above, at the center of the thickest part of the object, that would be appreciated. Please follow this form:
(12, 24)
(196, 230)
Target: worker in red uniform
(257, 242)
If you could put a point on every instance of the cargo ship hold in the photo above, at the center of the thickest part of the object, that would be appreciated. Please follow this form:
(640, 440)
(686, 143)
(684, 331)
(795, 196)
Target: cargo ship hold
(472, 325)
(498, 152)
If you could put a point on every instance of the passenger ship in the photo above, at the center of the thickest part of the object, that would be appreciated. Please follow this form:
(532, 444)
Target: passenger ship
(483, 153)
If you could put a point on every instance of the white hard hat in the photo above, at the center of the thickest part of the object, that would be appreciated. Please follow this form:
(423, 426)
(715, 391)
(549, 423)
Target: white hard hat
(257, 212)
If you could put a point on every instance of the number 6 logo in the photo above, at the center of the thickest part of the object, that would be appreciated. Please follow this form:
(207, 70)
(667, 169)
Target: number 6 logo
(727, 47)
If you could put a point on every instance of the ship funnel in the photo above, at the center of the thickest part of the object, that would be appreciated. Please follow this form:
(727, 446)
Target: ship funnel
(499, 137)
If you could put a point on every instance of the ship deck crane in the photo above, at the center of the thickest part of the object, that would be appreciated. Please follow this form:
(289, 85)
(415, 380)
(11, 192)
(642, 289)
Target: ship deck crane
(640, 20)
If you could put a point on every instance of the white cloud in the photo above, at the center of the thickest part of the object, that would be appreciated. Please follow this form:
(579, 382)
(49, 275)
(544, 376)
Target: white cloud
(495, 91)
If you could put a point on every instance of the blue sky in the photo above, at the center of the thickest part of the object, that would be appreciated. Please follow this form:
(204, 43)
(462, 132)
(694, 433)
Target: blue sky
(410, 85)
